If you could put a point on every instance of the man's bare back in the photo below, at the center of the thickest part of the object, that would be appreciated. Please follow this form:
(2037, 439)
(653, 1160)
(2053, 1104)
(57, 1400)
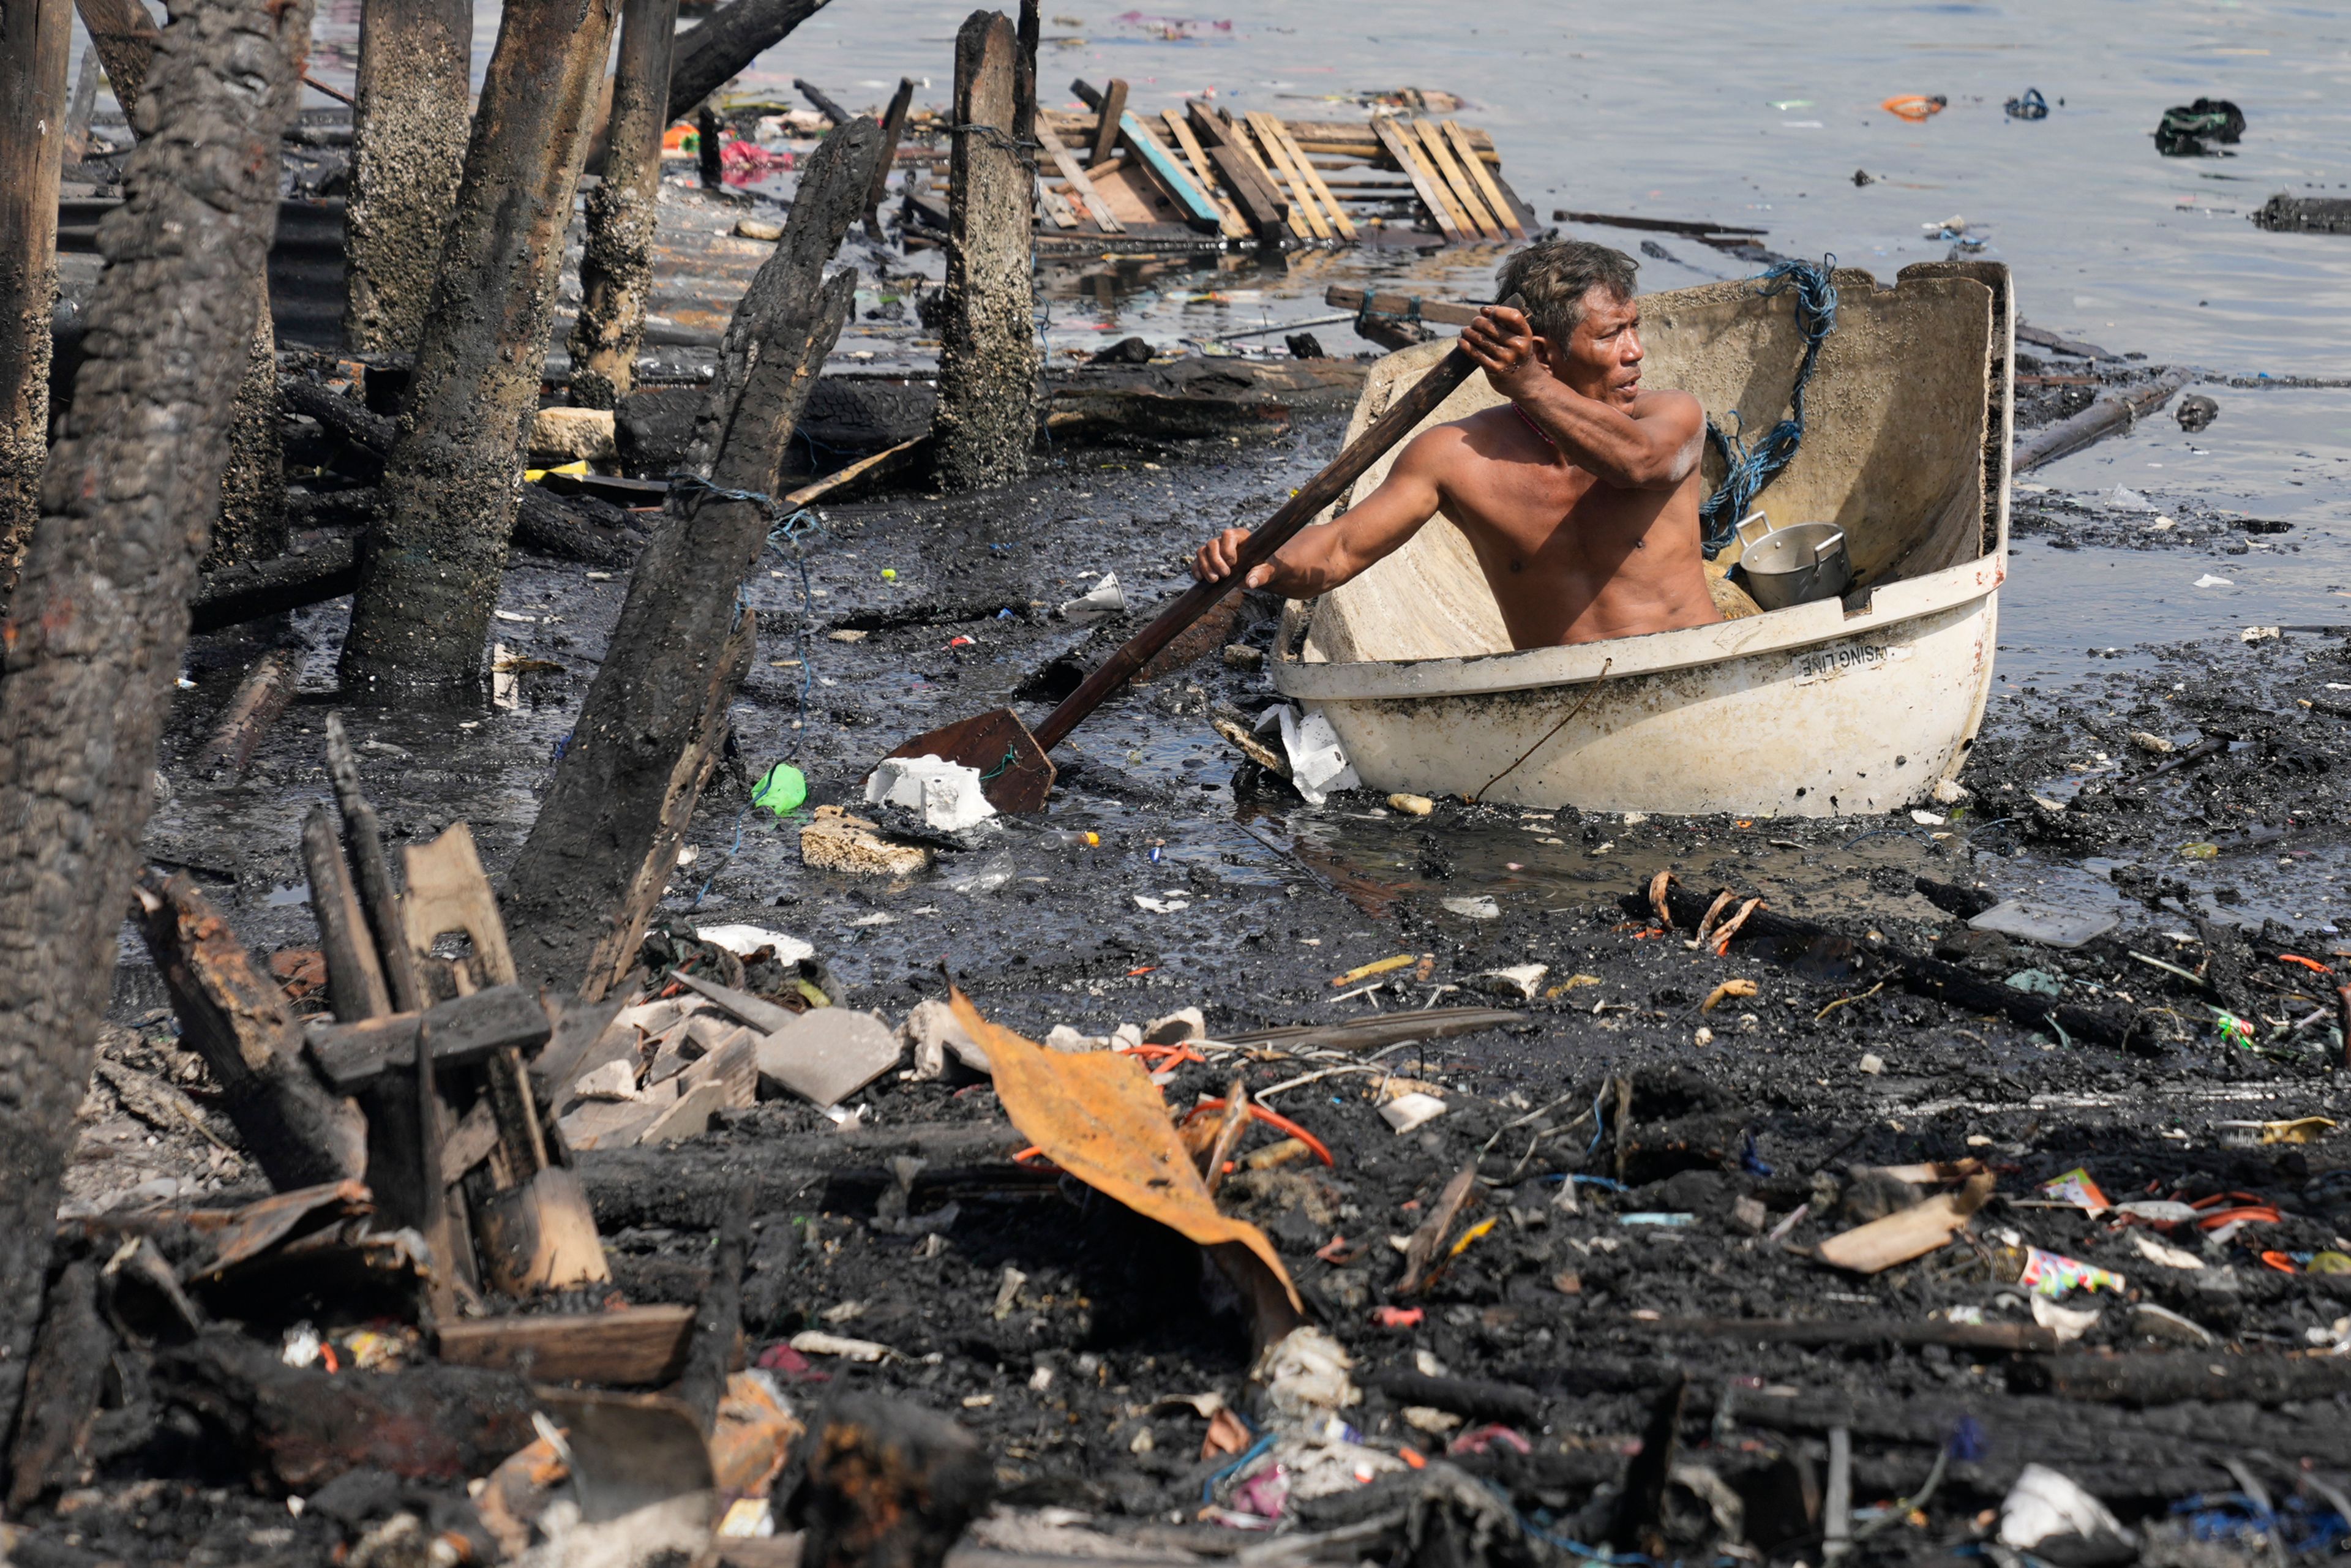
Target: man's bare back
(1580, 497)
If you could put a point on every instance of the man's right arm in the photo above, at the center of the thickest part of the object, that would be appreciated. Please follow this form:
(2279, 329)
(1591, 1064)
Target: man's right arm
(1322, 556)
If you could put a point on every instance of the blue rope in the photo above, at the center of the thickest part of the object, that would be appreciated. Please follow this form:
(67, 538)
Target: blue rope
(1748, 471)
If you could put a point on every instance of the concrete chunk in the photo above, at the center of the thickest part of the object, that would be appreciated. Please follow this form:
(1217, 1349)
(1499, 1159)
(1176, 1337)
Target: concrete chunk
(827, 1055)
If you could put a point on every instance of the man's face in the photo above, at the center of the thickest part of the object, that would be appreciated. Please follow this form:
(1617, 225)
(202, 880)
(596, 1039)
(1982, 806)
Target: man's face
(1603, 357)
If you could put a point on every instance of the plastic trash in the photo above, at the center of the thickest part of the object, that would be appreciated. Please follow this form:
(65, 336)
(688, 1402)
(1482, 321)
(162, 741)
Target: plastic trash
(948, 795)
(2122, 499)
(2068, 1323)
(2046, 1507)
(1318, 762)
(1478, 908)
(745, 940)
(2195, 412)
(2032, 106)
(2191, 130)
(2209, 580)
(2042, 923)
(1103, 599)
(989, 876)
(2040, 982)
(1406, 1112)
(782, 788)
(1916, 106)
(2053, 1275)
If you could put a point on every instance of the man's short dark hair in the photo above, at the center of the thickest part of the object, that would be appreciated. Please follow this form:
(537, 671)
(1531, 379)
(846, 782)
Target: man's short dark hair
(1556, 274)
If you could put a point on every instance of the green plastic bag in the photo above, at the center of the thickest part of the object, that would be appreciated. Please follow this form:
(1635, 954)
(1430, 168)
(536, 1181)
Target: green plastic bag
(782, 790)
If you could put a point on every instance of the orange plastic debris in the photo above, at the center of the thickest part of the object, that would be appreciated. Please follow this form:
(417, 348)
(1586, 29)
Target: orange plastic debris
(1916, 106)
(1098, 1116)
(2311, 963)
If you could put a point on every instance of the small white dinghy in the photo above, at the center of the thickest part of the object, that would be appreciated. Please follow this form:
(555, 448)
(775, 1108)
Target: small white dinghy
(1836, 707)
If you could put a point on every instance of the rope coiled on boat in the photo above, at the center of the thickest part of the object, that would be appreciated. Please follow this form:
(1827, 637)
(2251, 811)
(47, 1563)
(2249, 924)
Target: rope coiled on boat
(1748, 471)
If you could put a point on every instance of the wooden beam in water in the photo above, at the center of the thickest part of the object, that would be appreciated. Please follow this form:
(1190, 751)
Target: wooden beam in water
(1229, 217)
(1170, 174)
(1096, 208)
(1425, 182)
(1464, 193)
(1476, 168)
(1312, 175)
(1302, 203)
(1107, 114)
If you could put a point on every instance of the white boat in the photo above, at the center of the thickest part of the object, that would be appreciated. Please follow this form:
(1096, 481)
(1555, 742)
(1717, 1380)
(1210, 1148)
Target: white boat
(1837, 707)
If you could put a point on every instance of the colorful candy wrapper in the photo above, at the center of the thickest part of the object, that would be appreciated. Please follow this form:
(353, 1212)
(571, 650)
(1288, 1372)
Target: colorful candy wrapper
(2077, 1189)
(2052, 1274)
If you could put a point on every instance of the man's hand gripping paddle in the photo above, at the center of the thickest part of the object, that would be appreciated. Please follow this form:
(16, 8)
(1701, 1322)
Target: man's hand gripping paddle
(1014, 770)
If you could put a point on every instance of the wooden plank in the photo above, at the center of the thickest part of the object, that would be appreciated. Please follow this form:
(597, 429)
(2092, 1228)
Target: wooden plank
(1056, 208)
(1476, 167)
(1067, 164)
(631, 1347)
(464, 1030)
(1465, 194)
(1260, 203)
(1339, 218)
(1229, 217)
(1301, 196)
(1236, 138)
(1411, 307)
(1168, 172)
(1107, 115)
(1423, 181)
(448, 892)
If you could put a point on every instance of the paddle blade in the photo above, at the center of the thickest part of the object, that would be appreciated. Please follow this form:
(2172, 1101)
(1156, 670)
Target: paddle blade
(1015, 773)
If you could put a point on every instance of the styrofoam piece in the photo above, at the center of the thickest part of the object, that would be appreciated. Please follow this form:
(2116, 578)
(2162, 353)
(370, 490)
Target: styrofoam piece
(948, 795)
(745, 940)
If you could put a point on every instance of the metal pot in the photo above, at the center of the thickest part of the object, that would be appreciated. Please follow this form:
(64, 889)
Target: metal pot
(1792, 565)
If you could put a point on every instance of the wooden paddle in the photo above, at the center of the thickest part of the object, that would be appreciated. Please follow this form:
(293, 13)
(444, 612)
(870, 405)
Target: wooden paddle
(1016, 773)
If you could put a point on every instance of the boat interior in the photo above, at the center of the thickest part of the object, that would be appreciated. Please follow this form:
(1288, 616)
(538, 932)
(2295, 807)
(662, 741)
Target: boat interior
(1906, 442)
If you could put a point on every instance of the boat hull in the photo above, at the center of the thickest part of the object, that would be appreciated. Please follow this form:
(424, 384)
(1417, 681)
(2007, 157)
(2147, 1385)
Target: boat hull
(1867, 721)
(1838, 707)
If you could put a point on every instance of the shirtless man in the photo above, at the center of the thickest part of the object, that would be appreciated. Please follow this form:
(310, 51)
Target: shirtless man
(1580, 495)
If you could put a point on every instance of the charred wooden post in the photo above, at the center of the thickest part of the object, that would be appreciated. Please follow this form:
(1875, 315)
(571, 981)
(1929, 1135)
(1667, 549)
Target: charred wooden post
(123, 33)
(355, 987)
(70, 1361)
(888, 1485)
(893, 125)
(363, 841)
(823, 100)
(408, 153)
(734, 37)
(708, 144)
(1024, 80)
(234, 1018)
(429, 575)
(988, 361)
(252, 524)
(258, 701)
(606, 838)
(616, 259)
(33, 36)
(95, 627)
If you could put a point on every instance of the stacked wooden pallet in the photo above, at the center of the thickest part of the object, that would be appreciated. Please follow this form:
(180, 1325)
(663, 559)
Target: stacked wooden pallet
(1205, 176)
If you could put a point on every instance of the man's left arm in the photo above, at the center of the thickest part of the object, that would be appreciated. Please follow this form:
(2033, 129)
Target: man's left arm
(1654, 445)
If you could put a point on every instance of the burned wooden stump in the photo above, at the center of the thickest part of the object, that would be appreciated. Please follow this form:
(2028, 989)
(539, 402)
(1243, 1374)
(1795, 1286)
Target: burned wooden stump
(429, 577)
(34, 39)
(616, 257)
(987, 355)
(606, 838)
(408, 154)
(95, 626)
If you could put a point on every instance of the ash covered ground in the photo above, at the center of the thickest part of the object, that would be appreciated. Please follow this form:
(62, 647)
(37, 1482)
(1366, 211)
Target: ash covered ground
(1618, 1359)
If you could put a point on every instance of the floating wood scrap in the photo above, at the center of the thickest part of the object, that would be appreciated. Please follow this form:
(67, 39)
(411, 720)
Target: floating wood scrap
(1116, 178)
